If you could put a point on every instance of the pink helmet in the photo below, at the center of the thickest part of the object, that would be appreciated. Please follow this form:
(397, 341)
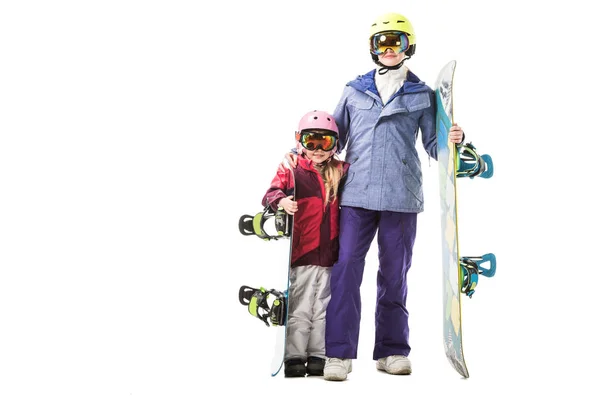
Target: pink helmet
(318, 120)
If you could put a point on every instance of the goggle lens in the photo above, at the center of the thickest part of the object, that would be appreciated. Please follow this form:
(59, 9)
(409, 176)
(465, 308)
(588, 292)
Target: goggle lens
(397, 41)
(313, 141)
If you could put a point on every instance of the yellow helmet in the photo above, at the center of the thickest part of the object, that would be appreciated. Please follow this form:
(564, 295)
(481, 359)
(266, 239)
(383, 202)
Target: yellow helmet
(395, 22)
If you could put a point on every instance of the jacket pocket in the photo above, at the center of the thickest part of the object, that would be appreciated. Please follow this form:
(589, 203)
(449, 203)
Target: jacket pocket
(363, 103)
(408, 103)
(411, 176)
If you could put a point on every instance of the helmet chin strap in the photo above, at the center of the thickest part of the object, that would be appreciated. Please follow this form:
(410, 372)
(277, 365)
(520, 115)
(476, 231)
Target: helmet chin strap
(324, 163)
(384, 69)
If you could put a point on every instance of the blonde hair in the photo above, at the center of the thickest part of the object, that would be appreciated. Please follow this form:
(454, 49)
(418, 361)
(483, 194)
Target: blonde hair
(331, 173)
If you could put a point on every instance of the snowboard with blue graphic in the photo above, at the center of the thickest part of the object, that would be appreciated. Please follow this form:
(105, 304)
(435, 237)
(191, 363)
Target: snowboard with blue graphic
(460, 274)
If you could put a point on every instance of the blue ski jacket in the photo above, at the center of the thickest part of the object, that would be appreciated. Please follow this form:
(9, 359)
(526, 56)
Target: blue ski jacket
(380, 143)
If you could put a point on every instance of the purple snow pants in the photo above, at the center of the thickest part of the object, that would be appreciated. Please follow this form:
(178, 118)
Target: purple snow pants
(395, 236)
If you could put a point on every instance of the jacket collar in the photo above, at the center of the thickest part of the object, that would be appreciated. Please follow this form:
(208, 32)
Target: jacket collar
(304, 162)
(366, 83)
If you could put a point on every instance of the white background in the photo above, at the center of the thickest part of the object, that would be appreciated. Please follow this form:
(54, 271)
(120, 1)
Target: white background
(135, 134)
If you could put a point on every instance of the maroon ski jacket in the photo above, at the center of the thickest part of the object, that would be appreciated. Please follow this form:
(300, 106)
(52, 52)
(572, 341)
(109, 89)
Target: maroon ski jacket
(316, 225)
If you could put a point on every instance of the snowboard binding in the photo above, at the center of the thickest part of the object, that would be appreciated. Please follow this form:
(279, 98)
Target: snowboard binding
(254, 225)
(257, 301)
(471, 268)
(470, 164)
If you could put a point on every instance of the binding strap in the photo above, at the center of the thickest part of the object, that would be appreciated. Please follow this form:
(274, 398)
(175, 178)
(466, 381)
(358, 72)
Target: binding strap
(254, 225)
(257, 301)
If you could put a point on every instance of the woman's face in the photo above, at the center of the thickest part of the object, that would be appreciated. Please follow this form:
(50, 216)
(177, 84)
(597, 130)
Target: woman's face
(390, 59)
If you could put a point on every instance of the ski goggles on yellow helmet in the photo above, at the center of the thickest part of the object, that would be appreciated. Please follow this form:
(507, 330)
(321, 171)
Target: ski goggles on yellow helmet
(313, 140)
(395, 40)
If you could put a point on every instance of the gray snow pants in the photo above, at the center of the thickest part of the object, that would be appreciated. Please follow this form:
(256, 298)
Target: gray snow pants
(308, 299)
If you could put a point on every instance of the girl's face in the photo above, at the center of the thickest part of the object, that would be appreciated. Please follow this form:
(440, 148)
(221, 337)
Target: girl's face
(389, 58)
(317, 156)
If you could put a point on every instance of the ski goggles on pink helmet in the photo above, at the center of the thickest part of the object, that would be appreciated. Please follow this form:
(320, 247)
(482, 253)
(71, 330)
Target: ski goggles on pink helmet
(317, 139)
(395, 40)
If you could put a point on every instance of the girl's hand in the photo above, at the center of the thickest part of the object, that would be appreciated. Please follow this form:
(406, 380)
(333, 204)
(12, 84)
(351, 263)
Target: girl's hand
(290, 206)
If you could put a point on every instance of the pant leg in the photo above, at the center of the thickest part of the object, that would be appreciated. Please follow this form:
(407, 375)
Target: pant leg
(396, 237)
(301, 299)
(322, 294)
(357, 230)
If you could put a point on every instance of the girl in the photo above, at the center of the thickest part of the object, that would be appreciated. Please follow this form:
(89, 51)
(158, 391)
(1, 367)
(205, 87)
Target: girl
(315, 209)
